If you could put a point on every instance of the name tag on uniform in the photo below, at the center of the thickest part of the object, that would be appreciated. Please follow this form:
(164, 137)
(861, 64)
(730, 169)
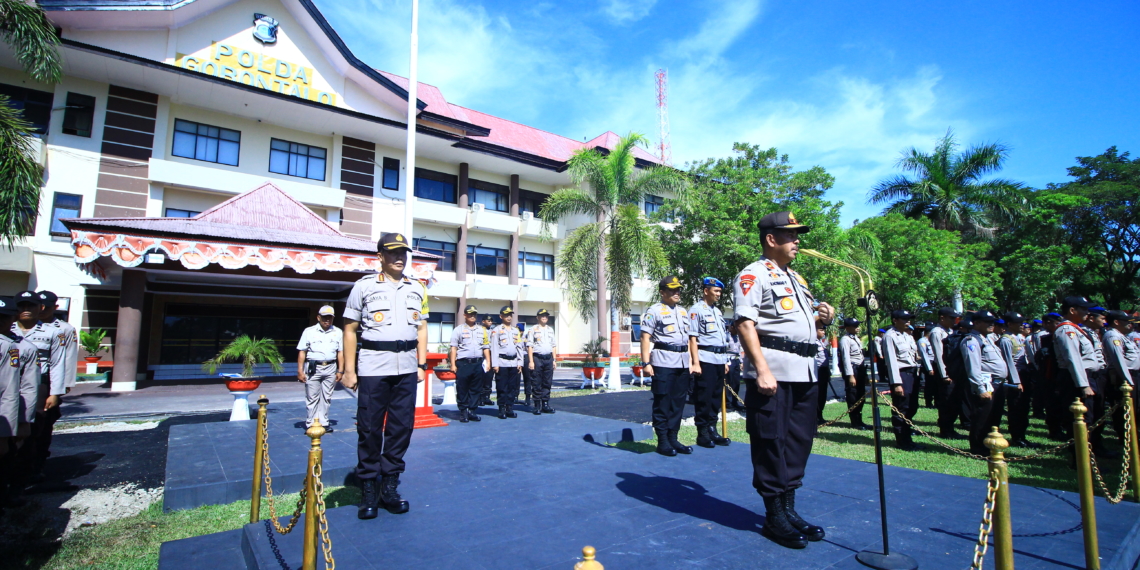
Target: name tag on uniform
(775, 283)
(710, 319)
(466, 335)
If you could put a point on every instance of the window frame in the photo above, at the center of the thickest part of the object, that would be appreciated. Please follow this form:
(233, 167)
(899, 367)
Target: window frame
(441, 320)
(657, 201)
(190, 213)
(530, 201)
(197, 134)
(477, 189)
(55, 207)
(501, 267)
(390, 165)
(71, 113)
(447, 263)
(41, 103)
(546, 260)
(436, 176)
(290, 152)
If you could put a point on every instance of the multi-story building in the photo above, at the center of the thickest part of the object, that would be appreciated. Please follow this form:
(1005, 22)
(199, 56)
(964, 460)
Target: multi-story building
(218, 167)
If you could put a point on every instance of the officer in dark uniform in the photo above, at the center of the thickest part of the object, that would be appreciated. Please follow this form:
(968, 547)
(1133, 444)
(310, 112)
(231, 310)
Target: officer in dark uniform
(665, 350)
(854, 372)
(540, 346)
(470, 359)
(489, 375)
(506, 361)
(390, 311)
(708, 352)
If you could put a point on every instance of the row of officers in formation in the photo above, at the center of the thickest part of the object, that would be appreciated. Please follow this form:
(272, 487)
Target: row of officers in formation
(40, 366)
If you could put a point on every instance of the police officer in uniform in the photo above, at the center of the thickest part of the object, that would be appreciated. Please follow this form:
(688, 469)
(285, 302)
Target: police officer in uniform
(735, 353)
(470, 357)
(1017, 399)
(822, 369)
(948, 407)
(540, 347)
(900, 358)
(50, 353)
(708, 352)
(925, 362)
(320, 365)
(1122, 358)
(854, 372)
(489, 375)
(984, 364)
(1081, 366)
(390, 311)
(19, 395)
(65, 334)
(665, 350)
(506, 361)
(1051, 388)
(775, 317)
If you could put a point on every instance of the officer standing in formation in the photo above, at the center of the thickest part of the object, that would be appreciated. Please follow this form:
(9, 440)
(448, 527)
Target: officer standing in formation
(926, 362)
(489, 374)
(708, 352)
(1122, 357)
(948, 409)
(665, 350)
(391, 312)
(470, 357)
(49, 305)
(1016, 395)
(776, 321)
(506, 361)
(735, 354)
(900, 357)
(1079, 367)
(822, 369)
(541, 347)
(320, 365)
(51, 345)
(19, 395)
(854, 372)
(983, 365)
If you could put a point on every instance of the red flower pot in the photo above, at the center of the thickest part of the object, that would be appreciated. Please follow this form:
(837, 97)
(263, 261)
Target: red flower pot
(637, 370)
(445, 374)
(594, 372)
(91, 358)
(243, 384)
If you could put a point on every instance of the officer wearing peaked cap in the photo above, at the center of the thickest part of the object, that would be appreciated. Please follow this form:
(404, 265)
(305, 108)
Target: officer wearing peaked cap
(51, 355)
(776, 316)
(665, 349)
(984, 366)
(926, 362)
(49, 304)
(1080, 367)
(708, 352)
(489, 375)
(944, 394)
(854, 371)
(1018, 400)
(390, 311)
(506, 361)
(470, 356)
(541, 347)
(900, 358)
(19, 395)
(1122, 358)
(320, 364)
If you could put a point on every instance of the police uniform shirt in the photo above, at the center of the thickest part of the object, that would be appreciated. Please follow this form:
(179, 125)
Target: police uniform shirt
(823, 355)
(19, 384)
(1122, 355)
(469, 341)
(983, 362)
(1011, 349)
(320, 344)
(899, 351)
(670, 326)
(1075, 353)
(70, 343)
(540, 338)
(850, 355)
(1032, 345)
(49, 354)
(780, 305)
(734, 348)
(707, 325)
(925, 354)
(1134, 337)
(506, 341)
(1098, 348)
(387, 311)
(936, 336)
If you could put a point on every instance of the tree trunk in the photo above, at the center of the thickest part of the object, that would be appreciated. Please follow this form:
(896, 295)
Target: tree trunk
(603, 312)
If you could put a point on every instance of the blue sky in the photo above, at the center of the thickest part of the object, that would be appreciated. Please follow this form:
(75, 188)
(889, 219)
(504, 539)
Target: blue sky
(843, 85)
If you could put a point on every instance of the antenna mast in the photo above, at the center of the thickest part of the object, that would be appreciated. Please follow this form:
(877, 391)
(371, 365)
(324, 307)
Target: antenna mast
(664, 150)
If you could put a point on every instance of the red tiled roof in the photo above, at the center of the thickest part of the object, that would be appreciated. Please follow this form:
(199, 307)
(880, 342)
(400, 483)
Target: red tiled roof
(268, 207)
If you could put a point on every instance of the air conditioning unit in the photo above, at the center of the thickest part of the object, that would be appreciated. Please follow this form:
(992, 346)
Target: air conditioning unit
(626, 321)
(477, 207)
(527, 216)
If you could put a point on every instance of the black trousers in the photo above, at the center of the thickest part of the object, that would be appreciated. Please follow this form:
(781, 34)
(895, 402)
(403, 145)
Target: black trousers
(1019, 404)
(507, 381)
(385, 415)
(854, 393)
(950, 404)
(823, 373)
(670, 392)
(542, 377)
(979, 411)
(930, 389)
(734, 383)
(468, 383)
(1040, 400)
(1069, 392)
(782, 428)
(488, 383)
(527, 376)
(707, 388)
(907, 404)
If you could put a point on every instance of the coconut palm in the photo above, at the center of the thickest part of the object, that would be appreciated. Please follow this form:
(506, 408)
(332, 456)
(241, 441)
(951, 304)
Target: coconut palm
(948, 188)
(607, 254)
(248, 351)
(25, 29)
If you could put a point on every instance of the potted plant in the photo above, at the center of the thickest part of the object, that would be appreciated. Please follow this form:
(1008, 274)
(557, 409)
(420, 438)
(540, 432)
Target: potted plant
(442, 367)
(92, 341)
(635, 364)
(594, 350)
(248, 351)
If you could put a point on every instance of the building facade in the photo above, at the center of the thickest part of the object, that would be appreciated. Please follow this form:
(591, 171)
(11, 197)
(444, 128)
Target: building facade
(220, 167)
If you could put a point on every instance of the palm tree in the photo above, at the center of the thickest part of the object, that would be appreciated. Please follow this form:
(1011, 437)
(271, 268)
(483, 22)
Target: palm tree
(949, 190)
(26, 29)
(249, 351)
(607, 254)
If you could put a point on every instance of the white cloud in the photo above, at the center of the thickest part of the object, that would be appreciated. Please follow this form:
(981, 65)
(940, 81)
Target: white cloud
(627, 11)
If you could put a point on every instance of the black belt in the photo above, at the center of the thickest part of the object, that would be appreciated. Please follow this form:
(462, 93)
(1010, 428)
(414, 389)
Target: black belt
(785, 345)
(322, 362)
(390, 345)
(510, 357)
(713, 349)
(670, 347)
(543, 356)
(911, 369)
(472, 359)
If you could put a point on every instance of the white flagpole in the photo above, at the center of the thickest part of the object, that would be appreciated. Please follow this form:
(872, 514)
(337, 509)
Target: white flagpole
(410, 158)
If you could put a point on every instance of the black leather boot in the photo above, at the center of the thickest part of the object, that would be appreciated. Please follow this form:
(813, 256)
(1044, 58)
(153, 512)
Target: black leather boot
(777, 527)
(546, 409)
(369, 500)
(462, 416)
(663, 446)
(511, 412)
(502, 412)
(717, 438)
(703, 438)
(389, 498)
(812, 532)
(471, 415)
(680, 447)
(536, 407)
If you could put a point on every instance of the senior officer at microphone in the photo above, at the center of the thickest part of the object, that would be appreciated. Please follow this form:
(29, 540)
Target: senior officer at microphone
(776, 323)
(391, 310)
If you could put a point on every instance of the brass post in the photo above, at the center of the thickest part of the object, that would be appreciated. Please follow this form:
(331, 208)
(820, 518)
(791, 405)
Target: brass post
(1134, 433)
(724, 411)
(588, 562)
(258, 458)
(1003, 527)
(312, 521)
(1085, 484)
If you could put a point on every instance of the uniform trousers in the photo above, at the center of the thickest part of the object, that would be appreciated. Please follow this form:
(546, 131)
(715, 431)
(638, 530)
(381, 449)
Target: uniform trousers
(907, 404)
(488, 384)
(527, 376)
(507, 382)
(1057, 415)
(1019, 404)
(979, 410)
(468, 383)
(823, 372)
(385, 415)
(951, 405)
(319, 388)
(1069, 391)
(854, 395)
(734, 383)
(1040, 399)
(930, 389)
(707, 387)
(37, 449)
(542, 377)
(670, 391)
(782, 427)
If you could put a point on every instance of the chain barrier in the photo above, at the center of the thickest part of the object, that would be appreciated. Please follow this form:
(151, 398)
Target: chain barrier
(825, 424)
(323, 526)
(987, 525)
(923, 432)
(269, 493)
(1125, 476)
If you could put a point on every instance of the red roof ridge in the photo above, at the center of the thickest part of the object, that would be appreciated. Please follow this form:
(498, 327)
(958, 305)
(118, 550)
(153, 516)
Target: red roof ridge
(267, 199)
(516, 123)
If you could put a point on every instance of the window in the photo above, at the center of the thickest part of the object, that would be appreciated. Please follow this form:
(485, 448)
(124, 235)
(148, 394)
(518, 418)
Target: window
(536, 266)
(206, 143)
(296, 159)
(440, 326)
(486, 260)
(64, 206)
(391, 174)
(192, 334)
(494, 197)
(36, 105)
(531, 201)
(176, 213)
(653, 204)
(635, 326)
(440, 248)
(432, 185)
(79, 115)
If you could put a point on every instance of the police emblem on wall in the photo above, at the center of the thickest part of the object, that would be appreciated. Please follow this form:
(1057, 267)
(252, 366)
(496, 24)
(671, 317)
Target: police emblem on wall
(265, 28)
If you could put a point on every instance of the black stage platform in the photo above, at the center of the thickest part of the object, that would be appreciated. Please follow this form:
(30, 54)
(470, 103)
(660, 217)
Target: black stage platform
(530, 493)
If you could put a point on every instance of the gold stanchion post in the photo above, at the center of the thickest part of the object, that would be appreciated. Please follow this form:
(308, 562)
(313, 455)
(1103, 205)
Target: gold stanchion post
(1003, 527)
(258, 457)
(1134, 433)
(724, 411)
(312, 520)
(588, 562)
(1085, 484)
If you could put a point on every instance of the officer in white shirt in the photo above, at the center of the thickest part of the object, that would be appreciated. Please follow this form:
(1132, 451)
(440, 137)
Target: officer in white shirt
(51, 354)
(70, 341)
(708, 351)
(320, 365)
(665, 350)
(900, 359)
(1080, 366)
(506, 361)
(854, 371)
(19, 394)
(984, 366)
(540, 348)
(470, 358)
(1122, 357)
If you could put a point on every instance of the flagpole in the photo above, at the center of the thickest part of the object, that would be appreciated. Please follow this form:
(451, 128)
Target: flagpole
(409, 179)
